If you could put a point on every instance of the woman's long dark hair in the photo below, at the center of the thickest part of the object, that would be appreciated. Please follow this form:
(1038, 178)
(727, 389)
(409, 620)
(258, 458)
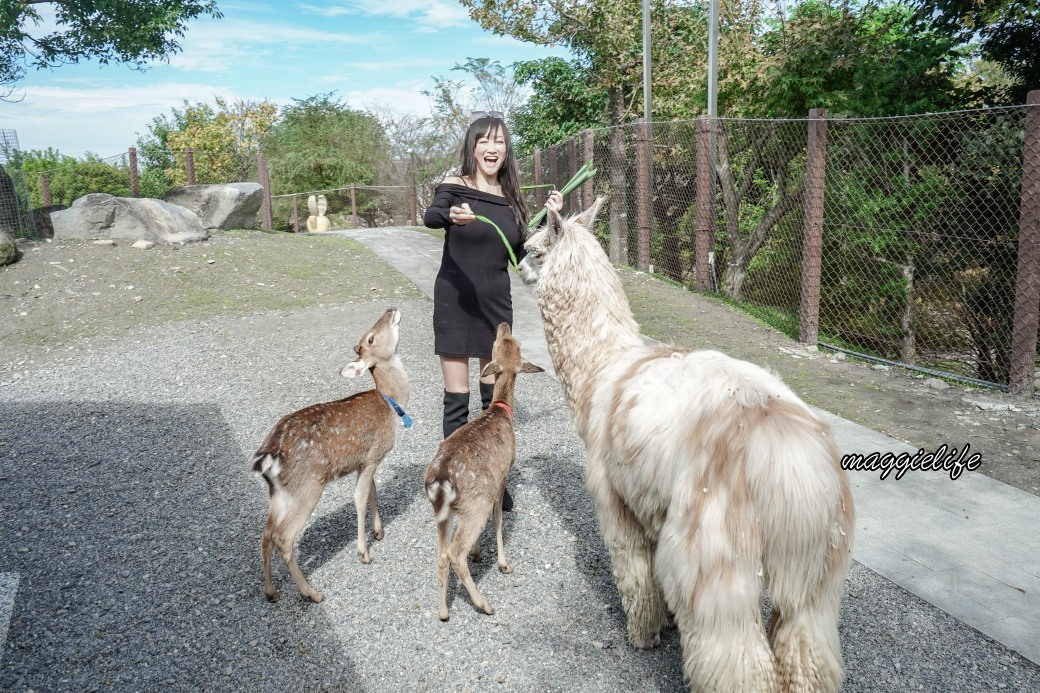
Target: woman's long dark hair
(508, 176)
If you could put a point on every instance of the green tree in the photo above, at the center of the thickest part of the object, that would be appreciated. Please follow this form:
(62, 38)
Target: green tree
(319, 144)
(69, 183)
(133, 32)
(562, 103)
(35, 163)
(1006, 32)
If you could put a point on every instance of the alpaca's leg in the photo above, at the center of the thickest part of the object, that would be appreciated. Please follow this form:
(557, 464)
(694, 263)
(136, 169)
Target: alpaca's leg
(632, 560)
(806, 586)
(709, 568)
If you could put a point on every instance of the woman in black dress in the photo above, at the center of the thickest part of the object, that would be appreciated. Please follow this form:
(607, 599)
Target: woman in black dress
(471, 293)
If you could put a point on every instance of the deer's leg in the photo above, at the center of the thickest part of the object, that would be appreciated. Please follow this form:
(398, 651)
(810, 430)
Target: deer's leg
(442, 564)
(466, 533)
(377, 522)
(365, 486)
(296, 516)
(631, 558)
(266, 547)
(503, 564)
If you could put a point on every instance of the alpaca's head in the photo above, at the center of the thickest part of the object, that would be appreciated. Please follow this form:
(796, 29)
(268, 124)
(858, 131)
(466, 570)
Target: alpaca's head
(556, 233)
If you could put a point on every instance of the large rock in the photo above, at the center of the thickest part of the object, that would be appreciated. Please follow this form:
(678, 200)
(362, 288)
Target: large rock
(8, 249)
(42, 224)
(100, 215)
(229, 206)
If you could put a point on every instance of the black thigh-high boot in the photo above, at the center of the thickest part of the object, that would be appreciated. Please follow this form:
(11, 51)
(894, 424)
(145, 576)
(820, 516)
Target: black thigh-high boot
(456, 411)
(487, 391)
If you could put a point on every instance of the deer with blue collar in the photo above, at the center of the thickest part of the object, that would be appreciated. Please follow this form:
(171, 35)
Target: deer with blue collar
(317, 444)
(468, 474)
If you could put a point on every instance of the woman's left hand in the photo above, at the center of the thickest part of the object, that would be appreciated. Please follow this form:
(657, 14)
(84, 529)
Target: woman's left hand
(555, 201)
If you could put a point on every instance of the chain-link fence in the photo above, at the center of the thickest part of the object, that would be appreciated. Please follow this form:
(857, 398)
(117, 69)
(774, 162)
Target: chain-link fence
(913, 240)
(352, 207)
(15, 213)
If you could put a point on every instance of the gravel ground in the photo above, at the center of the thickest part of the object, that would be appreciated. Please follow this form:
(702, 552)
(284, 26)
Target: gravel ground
(131, 519)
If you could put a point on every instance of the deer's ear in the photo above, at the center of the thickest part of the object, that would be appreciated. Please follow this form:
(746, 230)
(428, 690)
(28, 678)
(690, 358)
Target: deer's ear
(529, 367)
(491, 369)
(355, 369)
(587, 217)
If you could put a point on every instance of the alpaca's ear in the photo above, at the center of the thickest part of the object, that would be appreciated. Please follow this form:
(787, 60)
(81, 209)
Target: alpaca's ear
(587, 217)
(554, 224)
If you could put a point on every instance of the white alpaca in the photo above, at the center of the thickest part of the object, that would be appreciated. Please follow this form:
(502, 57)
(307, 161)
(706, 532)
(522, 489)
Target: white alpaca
(711, 480)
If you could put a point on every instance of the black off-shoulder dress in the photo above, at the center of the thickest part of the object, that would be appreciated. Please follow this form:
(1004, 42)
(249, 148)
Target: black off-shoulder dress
(471, 293)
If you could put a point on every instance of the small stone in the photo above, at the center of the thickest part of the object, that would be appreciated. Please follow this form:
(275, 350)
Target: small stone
(880, 367)
(210, 261)
(143, 245)
(103, 241)
(937, 384)
(840, 356)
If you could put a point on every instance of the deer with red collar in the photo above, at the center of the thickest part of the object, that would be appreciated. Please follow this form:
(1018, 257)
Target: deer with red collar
(468, 474)
(317, 444)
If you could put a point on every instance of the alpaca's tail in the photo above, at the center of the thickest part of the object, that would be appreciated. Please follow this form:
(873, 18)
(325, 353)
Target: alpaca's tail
(441, 494)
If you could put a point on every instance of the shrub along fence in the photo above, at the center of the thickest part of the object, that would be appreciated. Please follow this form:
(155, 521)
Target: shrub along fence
(913, 240)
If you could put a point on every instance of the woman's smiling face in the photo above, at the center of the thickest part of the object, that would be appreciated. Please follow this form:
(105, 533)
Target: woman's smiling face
(490, 152)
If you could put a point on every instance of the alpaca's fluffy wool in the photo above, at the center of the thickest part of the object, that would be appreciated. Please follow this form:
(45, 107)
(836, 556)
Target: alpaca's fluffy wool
(712, 481)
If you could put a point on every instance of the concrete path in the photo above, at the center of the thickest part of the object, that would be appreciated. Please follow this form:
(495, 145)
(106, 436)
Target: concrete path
(969, 546)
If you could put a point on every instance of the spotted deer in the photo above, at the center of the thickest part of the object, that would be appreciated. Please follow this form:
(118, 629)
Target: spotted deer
(317, 444)
(468, 474)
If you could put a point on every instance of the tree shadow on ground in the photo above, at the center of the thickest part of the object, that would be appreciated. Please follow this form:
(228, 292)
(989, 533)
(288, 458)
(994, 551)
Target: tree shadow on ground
(134, 531)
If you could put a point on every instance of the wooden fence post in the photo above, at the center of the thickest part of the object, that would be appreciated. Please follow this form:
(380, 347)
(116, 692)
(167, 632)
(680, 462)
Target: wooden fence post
(554, 174)
(353, 206)
(266, 211)
(412, 206)
(296, 213)
(572, 168)
(812, 244)
(45, 191)
(538, 199)
(189, 165)
(705, 199)
(588, 190)
(643, 195)
(1022, 376)
(135, 185)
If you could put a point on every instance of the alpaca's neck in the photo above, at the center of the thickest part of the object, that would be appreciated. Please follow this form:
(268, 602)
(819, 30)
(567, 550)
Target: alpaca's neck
(586, 314)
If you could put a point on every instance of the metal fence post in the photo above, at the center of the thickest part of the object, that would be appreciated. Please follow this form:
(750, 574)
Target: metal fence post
(296, 213)
(588, 190)
(812, 244)
(1027, 285)
(353, 206)
(135, 189)
(45, 191)
(643, 194)
(702, 243)
(189, 165)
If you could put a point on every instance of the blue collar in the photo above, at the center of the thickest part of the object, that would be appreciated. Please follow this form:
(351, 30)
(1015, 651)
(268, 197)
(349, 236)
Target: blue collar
(405, 419)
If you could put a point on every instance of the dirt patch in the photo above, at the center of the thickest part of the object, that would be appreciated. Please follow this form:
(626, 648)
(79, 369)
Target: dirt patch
(65, 296)
(895, 401)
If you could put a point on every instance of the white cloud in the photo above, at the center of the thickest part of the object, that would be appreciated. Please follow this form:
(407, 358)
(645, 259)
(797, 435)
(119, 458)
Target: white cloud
(328, 10)
(407, 99)
(435, 14)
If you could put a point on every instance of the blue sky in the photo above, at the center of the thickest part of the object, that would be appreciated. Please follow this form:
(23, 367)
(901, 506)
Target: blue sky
(371, 54)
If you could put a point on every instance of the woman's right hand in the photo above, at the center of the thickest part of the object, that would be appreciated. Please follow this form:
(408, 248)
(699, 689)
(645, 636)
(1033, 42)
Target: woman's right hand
(461, 215)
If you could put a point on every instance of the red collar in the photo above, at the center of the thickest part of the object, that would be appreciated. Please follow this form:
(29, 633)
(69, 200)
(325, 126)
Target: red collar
(504, 406)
